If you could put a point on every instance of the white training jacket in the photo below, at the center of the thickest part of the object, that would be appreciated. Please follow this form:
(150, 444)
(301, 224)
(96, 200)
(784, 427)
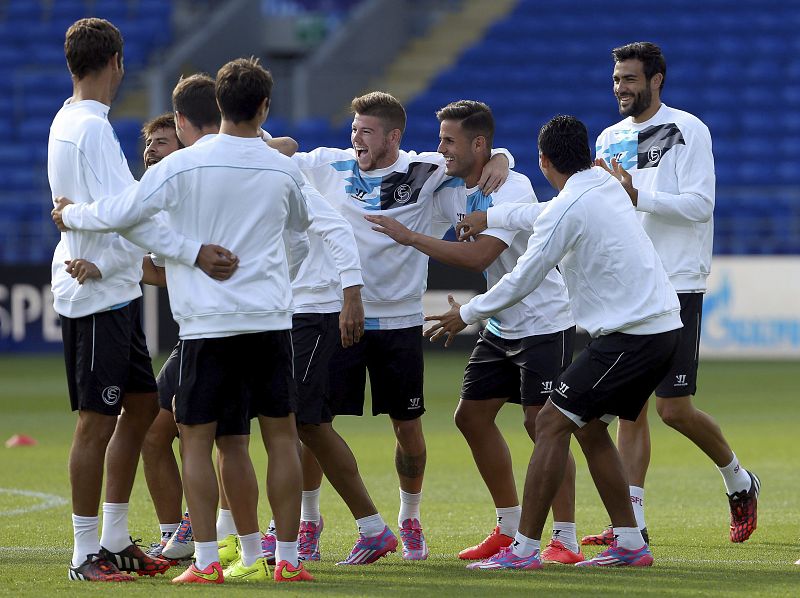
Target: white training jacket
(85, 163)
(671, 164)
(232, 191)
(614, 276)
(546, 309)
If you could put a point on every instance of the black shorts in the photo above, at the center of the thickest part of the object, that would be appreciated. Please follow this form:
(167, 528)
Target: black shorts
(315, 338)
(681, 380)
(106, 357)
(226, 379)
(167, 379)
(615, 375)
(394, 361)
(520, 370)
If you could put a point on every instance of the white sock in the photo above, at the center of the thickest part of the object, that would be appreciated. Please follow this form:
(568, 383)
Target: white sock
(309, 508)
(286, 551)
(205, 553)
(508, 520)
(251, 548)
(84, 530)
(735, 476)
(371, 525)
(167, 530)
(637, 502)
(564, 532)
(115, 536)
(524, 546)
(225, 524)
(271, 527)
(629, 538)
(409, 506)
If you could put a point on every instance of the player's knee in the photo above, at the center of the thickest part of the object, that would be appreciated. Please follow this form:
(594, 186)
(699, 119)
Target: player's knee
(530, 425)
(673, 413)
(465, 421)
(409, 434)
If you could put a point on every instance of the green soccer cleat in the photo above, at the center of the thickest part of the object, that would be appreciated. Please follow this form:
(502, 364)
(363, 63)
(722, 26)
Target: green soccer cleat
(258, 571)
(228, 550)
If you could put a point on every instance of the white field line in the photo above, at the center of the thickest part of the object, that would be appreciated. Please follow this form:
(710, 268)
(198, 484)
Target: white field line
(46, 501)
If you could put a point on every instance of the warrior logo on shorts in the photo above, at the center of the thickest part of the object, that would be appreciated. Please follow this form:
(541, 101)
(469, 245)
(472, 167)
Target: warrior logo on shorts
(111, 395)
(547, 386)
(414, 403)
(562, 390)
(680, 380)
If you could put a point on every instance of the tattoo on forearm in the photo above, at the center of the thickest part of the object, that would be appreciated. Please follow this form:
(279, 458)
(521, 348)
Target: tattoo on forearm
(410, 466)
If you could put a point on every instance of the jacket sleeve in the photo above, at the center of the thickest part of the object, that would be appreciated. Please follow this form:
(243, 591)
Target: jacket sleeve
(337, 235)
(694, 168)
(556, 232)
(514, 216)
(156, 235)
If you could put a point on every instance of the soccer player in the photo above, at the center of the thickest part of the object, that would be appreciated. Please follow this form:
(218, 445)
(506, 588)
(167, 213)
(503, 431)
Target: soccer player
(98, 299)
(522, 350)
(620, 294)
(376, 176)
(227, 329)
(662, 157)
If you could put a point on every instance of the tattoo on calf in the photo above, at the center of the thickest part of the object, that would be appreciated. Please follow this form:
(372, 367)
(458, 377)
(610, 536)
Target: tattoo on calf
(410, 466)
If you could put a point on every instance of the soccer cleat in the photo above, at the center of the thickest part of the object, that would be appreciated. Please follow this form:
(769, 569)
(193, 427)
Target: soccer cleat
(211, 574)
(308, 540)
(133, 560)
(368, 550)
(96, 568)
(606, 537)
(285, 572)
(156, 551)
(556, 552)
(614, 556)
(744, 510)
(181, 544)
(258, 571)
(228, 550)
(489, 547)
(506, 559)
(414, 546)
(268, 544)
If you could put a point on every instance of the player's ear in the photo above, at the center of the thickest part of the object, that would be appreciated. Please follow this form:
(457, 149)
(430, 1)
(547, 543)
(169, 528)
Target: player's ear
(478, 144)
(395, 135)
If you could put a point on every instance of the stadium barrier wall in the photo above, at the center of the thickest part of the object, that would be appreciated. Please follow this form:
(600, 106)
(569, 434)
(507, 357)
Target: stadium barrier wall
(751, 310)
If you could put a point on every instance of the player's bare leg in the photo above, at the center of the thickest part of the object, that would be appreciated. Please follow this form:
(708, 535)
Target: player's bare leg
(239, 482)
(337, 461)
(93, 432)
(680, 414)
(122, 455)
(284, 474)
(476, 421)
(633, 444)
(200, 478)
(409, 459)
(312, 470)
(161, 468)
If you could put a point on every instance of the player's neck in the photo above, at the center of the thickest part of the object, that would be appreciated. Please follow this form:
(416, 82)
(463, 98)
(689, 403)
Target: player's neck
(654, 107)
(92, 88)
(471, 180)
(245, 128)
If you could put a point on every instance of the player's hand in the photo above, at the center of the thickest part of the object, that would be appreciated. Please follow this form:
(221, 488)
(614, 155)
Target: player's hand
(60, 203)
(392, 228)
(217, 262)
(623, 176)
(82, 270)
(494, 174)
(351, 318)
(471, 225)
(449, 324)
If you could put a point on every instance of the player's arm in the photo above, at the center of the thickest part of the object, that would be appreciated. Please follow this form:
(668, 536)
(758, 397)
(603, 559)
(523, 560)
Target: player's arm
(510, 216)
(153, 275)
(554, 236)
(474, 256)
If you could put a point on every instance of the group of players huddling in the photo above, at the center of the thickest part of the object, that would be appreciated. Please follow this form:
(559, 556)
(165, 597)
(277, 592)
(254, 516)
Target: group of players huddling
(291, 275)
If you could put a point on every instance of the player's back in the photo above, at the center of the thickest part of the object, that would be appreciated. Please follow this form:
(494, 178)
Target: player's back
(615, 278)
(85, 163)
(234, 192)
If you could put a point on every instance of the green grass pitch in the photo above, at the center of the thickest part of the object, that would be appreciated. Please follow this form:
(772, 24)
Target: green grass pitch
(687, 513)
